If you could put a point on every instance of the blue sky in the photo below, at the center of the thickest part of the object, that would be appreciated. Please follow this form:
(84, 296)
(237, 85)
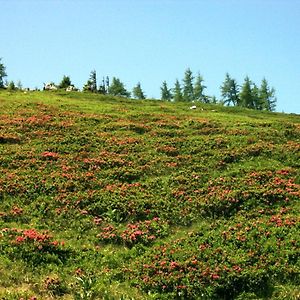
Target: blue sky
(149, 41)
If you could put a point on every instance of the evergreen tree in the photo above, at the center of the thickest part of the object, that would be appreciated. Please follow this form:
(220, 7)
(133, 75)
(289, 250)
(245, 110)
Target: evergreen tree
(177, 92)
(267, 96)
(165, 92)
(246, 94)
(91, 84)
(2, 74)
(93, 78)
(230, 91)
(117, 88)
(66, 82)
(199, 90)
(138, 92)
(257, 103)
(188, 89)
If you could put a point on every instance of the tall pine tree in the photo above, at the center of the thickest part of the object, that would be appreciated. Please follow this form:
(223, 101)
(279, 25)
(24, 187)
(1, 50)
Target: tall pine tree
(138, 92)
(177, 92)
(91, 84)
(230, 91)
(117, 88)
(257, 103)
(246, 94)
(199, 88)
(165, 92)
(66, 82)
(188, 89)
(267, 96)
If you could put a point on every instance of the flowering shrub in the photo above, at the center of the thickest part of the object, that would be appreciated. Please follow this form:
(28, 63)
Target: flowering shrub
(143, 232)
(39, 120)
(50, 155)
(29, 244)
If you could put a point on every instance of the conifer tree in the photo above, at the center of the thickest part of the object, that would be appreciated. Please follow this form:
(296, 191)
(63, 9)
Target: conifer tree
(117, 88)
(2, 74)
(257, 103)
(165, 92)
(230, 91)
(138, 92)
(199, 88)
(267, 96)
(93, 78)
(188, 89)
(177, 92)
(246, 94)
(91, 84)
(66, 82)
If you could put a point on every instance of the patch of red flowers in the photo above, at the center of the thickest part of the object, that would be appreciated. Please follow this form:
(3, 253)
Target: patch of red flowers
(144, 232)
(50, 155)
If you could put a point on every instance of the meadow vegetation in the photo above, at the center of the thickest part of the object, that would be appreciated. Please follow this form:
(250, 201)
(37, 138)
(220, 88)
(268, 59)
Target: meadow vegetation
(110, 198)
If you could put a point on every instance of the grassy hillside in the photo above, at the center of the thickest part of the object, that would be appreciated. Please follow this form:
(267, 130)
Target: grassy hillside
(106, 198)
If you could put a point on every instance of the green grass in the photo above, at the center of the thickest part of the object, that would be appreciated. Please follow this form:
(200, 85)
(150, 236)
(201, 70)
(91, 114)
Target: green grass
(111, 198)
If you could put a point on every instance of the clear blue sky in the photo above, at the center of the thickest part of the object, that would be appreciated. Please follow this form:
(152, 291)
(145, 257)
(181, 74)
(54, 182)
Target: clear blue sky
(154, 40)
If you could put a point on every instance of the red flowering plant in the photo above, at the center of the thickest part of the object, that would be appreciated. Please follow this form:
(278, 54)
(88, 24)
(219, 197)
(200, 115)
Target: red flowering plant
(50, 155)
(32, 245)
(38, 120)
(144, 232)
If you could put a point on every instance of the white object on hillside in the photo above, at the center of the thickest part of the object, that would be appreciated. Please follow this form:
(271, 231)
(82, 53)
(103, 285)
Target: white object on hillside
(50, 86)
(71, 88)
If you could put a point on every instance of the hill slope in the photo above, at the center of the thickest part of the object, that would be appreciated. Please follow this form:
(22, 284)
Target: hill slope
(121, 199)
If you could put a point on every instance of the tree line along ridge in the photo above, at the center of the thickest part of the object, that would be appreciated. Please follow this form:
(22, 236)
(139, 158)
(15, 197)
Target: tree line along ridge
(190, 89)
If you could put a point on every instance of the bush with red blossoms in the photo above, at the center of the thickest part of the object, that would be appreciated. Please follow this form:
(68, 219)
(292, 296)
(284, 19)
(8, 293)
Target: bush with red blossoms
(32, 245)
(143, 232)
(50, 155)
